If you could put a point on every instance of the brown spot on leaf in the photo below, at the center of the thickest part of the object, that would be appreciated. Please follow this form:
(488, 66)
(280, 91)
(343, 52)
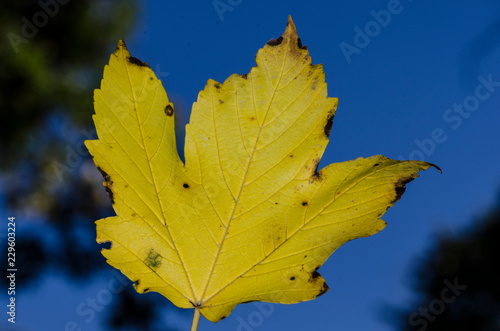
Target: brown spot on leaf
(110, 194)
(315, 274)
(299, 44)
(275, 42)
(138, 62)
(244, 76)
(108, 183)
(323, 290)
(106, 177)
(185, 185)
(249, 301)
(136, 284)
(221, 101)
(292, 278)
(316, 165)
(108, 244)
(153, 261)
(329, 123)
(315, 83)
(304, 203)
(217, 85)
(400, 188)
(169, 110)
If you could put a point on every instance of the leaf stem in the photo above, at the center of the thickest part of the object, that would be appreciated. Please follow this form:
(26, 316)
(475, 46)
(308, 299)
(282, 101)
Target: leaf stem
(196, 319)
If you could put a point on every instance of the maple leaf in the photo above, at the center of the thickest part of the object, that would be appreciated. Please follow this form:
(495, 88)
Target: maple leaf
(248, 216)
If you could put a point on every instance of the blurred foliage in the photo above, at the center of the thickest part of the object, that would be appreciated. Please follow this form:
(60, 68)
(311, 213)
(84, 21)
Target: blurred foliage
(53, 53)
(51, 58)
(457, 283)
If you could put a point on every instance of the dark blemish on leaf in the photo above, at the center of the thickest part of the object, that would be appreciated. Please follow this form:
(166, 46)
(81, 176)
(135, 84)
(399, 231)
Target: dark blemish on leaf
(275, 203)
(146, 290)
(110, 195)
(315, 274)
(292, 278)
(299, 44)
(252, 118)
(136, 284)
(329, 123)
(153, 261)
(249, 301)
(291, 155)
(380, 214)
(138, 62)
(276, 42)
(244, 76)
(223, 317)
(400, 188)
(134, 214)
(106, 245)
(217, 85)
(317, 268)
(220, 101)
(323, 290)
(169, 110)
(435, 166)
(105, 175)
(305, 256)
(315, 83)
(304, 203)
(316, 165)
(185, 185)
(376, 164)
(108, 183)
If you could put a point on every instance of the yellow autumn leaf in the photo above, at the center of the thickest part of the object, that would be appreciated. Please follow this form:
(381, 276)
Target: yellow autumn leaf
(248, 216)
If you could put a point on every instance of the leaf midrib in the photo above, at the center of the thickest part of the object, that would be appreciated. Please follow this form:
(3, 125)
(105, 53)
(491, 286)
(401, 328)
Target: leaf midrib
(243, 181)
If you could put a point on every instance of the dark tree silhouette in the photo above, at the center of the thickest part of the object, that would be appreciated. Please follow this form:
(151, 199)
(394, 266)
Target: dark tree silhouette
(457, 283)
(53, 54)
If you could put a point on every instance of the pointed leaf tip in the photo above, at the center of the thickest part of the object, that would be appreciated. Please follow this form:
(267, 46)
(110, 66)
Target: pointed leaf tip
(290, 36)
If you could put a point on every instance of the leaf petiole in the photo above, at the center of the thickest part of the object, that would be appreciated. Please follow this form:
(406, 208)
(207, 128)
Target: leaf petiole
(196, 319)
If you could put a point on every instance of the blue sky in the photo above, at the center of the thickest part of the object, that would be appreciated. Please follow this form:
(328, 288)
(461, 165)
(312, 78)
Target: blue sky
(425, 85)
